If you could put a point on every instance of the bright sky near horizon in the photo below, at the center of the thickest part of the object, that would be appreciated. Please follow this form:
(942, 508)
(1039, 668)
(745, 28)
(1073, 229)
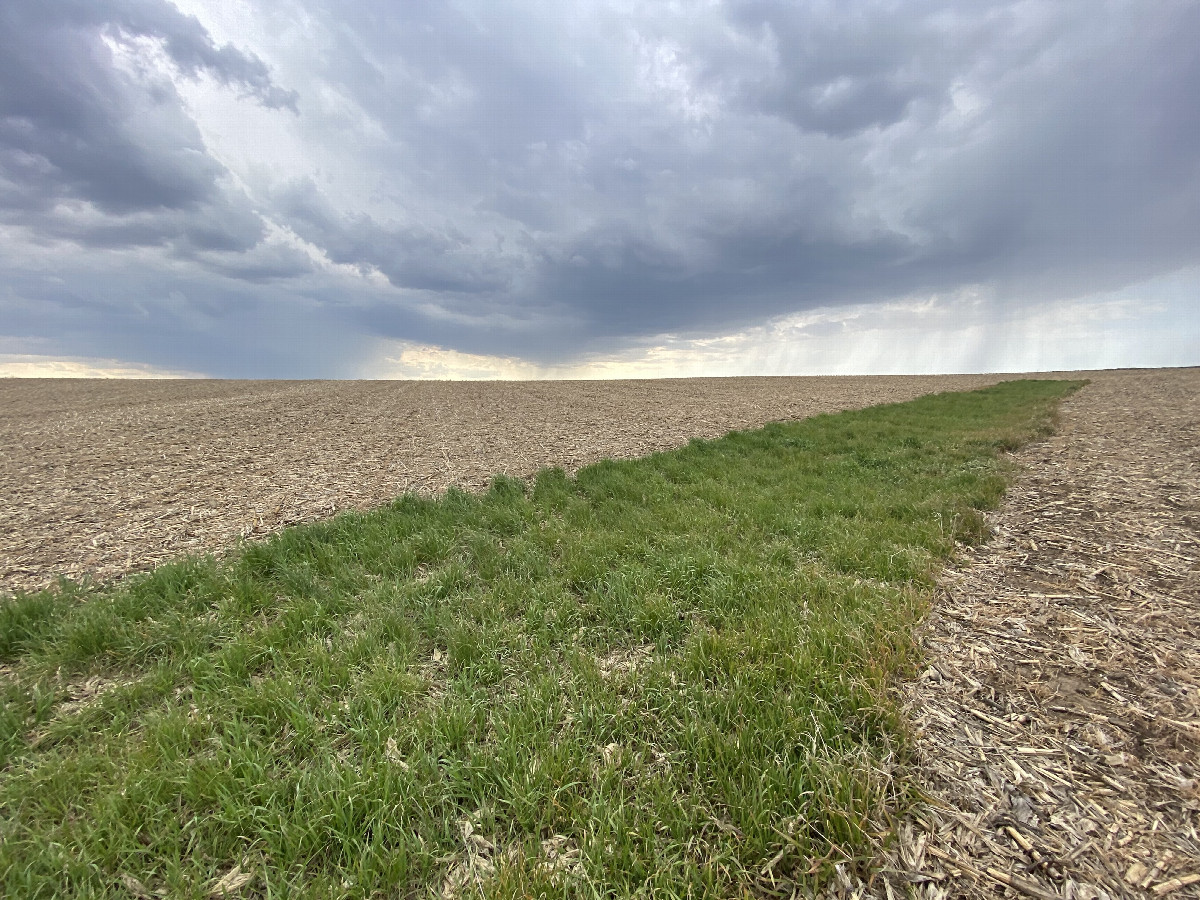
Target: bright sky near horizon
(597, 188)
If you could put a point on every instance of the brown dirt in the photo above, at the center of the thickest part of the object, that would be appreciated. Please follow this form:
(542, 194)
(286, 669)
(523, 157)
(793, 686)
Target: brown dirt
(1058, 720)
(100, 478)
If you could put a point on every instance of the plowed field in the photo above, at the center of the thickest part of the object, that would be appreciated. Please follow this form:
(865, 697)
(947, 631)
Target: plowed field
(100, 478)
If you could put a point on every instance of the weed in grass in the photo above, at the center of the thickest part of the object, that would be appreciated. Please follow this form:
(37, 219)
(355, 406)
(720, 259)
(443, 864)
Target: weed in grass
(662, 676)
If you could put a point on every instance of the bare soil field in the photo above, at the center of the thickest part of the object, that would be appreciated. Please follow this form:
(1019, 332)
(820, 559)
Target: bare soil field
(100, 478)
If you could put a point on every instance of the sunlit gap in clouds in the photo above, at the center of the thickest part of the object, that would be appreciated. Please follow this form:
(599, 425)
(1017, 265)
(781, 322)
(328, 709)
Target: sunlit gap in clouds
(31, 365)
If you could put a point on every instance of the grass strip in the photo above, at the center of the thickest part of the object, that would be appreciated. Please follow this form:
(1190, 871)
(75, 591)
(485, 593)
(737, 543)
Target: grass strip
(664, 676)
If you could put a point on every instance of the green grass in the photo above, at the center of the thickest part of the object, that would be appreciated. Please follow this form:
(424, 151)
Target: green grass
(653, 679)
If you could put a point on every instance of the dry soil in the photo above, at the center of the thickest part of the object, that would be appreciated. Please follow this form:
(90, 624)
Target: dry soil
(100, 478)
(1057, 719)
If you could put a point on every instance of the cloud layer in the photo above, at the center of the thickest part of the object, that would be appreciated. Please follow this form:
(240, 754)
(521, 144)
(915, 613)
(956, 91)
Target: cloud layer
(284, 187)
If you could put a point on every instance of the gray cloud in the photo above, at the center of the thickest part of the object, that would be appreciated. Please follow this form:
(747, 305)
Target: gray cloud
(841, 75)
(411, 256)
(98, 149)
(186, 42)
(542, 179)
(182, 321)
(262, 265)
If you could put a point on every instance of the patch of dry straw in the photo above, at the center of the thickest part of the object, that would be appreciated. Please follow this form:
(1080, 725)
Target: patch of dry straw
(1057, 721)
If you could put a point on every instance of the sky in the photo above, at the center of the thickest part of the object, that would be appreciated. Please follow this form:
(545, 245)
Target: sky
(597, 188)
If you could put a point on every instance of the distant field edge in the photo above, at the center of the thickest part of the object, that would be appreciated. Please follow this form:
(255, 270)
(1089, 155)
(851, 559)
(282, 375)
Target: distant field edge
(665, 676)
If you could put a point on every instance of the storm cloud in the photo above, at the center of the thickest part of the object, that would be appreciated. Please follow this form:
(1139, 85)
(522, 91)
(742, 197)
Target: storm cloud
(96, 146)
(551, 181)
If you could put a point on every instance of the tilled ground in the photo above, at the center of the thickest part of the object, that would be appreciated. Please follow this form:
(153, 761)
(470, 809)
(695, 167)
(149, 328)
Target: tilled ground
(1058, 721)
(100, 478)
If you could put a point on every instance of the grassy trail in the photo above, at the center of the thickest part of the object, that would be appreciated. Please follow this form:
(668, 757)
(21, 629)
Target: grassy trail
(663, 677)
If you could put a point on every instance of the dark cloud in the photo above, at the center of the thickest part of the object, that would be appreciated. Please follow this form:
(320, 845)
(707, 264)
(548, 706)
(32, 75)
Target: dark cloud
(543, 178)
(1088, 177)
(185, 41)
(770, 158)
(841, 74)
(96, 146)
(264, 264)
(416, 257)
(186, 322)
(73, 127)
(743, 277)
